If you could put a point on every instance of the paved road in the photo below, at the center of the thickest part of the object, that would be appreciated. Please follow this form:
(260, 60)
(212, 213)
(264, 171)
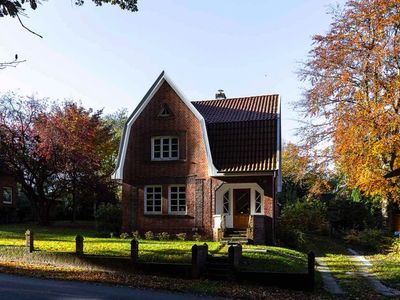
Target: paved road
(26, 288)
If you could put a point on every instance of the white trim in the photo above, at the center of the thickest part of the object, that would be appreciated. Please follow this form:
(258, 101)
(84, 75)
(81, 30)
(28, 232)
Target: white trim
(145, 200)
(169, 200)
(162, 138)
(10, 189)
(118, 173)
(229, 187)
(279, 150)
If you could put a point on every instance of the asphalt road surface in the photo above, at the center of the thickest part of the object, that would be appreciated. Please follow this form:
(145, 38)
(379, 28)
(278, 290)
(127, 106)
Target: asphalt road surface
(26, 288)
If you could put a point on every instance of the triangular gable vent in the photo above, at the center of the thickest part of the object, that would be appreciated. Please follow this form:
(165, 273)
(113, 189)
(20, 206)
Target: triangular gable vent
(165, 111)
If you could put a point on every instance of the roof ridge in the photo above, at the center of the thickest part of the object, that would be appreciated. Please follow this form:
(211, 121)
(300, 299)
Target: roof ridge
(237, 98)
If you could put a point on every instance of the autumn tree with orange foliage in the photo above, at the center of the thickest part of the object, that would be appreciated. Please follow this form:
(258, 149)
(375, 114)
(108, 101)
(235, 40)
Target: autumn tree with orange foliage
(353, 101)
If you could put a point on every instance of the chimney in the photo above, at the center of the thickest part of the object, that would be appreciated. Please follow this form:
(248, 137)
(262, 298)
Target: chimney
(220, 95)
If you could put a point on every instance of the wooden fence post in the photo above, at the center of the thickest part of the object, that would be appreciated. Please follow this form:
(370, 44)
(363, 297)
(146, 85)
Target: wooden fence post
(311, 270)
(29, 240)
(79, 244)
(134, 250)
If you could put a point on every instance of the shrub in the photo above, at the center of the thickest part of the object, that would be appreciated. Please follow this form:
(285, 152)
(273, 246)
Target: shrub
(136, 235)
(352, 237)
(149, 235)
(292, 238)
(163, 236)
(108, 217)
(369, 239)
(345, 214)
(395, 247)
(197, 237)
(304, 216)
(181, 236)
(124, 235)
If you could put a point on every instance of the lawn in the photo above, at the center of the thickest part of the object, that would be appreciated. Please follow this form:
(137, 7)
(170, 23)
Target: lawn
(61, 238)
(334, 253)
(387, 268)
(273, 259)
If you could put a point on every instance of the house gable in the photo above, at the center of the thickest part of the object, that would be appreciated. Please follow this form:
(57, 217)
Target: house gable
(145, 110)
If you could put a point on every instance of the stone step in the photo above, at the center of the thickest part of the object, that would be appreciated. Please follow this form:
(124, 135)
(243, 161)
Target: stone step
(229, 238)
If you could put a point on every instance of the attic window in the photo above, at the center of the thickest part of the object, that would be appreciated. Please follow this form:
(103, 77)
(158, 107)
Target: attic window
(165, 111)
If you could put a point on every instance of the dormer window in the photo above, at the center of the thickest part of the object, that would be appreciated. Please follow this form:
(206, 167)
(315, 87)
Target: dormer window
(164, 148)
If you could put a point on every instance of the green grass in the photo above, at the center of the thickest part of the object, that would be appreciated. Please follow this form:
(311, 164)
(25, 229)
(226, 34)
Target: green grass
(333, 252)
(387, 268)
(275, 259)
(62, 239)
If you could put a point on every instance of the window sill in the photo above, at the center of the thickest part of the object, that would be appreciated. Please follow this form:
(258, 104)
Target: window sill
(169, 216)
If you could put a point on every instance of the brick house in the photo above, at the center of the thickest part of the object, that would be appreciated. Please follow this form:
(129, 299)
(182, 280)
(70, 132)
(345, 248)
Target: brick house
(8, 192)
(206, 166)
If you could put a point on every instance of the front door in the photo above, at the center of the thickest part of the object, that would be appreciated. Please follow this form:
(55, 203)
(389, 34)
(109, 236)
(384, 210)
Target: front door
(241, 208)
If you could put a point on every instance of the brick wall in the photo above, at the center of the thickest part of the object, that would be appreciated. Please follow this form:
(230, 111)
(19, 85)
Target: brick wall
(8, 181)
(190, 169)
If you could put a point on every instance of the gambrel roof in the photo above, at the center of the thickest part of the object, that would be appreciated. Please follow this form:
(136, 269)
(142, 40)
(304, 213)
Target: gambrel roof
(240, 134)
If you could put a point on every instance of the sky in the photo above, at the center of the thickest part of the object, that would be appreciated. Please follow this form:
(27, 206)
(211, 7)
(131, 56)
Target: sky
(107, 58)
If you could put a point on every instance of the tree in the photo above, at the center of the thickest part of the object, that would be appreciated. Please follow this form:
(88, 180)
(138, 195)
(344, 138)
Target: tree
(55, 151)
(16, 8)
(353, 101)
(303, 176)
(80, 140)
(13, 8)
(11, 63)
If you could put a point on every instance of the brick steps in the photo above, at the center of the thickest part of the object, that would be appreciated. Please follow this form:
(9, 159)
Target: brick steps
(235, 236)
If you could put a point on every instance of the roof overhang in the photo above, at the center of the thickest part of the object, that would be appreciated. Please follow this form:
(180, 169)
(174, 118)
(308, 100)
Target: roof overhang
(118, 173)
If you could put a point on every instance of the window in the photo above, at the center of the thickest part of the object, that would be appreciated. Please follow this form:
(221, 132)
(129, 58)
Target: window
(177, 199)
(258, 203)
(226, 203)
(164, 112)
(6, 194)
(152, 200)
(164, 148)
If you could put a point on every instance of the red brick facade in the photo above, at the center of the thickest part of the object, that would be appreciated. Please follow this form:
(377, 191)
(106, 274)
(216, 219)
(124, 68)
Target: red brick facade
(191, 169)
(7, 181)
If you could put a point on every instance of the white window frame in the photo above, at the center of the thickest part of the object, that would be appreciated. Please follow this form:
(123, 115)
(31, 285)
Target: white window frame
(261, 202)
(145, 200)
(162, 138)
(10, 189)
(169, 200)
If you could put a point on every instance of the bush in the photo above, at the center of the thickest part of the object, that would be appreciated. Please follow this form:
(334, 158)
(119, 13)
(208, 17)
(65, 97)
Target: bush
(136, 235)
(163, 236)
(149, 235)
(345, 214)
(181, 236)
(395, 247)
(124, 235)
(108, 217)
(292, 238)
(304, 216)
(197, 237)
(368, 239)
(352, 237)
